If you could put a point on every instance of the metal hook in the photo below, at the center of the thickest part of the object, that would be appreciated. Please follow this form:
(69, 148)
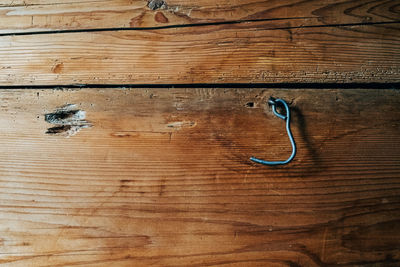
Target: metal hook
(273, 102)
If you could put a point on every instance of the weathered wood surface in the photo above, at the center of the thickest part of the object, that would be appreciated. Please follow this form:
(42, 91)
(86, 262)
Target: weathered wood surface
(295, 41)
(242, 53)
(163, 178)
(28, 16)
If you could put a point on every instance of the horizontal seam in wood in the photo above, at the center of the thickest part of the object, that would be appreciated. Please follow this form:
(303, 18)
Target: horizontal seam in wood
(374, 85)
(203, 25)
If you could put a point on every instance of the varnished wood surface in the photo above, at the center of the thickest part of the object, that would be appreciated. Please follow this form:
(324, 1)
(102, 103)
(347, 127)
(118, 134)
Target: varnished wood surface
(293, 41)
(163, 178)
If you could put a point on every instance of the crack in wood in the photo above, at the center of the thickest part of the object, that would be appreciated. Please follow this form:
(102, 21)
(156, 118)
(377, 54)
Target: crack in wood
(205, 24)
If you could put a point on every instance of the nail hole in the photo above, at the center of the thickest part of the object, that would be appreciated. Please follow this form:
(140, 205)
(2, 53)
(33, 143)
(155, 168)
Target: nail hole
(250, 104)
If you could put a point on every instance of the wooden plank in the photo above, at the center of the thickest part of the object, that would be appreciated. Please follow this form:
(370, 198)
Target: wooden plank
(163, 177)
(295, 41)
(24, 16)
(258, 52)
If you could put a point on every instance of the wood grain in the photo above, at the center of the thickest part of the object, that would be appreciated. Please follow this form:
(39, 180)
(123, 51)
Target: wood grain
(257, 42)
(257, 52)
(27, 16)
(163, 178)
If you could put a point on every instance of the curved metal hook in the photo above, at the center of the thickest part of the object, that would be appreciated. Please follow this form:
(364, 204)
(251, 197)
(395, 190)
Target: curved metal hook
(286, 118)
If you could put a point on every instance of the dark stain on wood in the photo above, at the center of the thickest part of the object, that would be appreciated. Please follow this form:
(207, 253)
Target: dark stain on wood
(59, 129)
(68, 120)
(61, 116)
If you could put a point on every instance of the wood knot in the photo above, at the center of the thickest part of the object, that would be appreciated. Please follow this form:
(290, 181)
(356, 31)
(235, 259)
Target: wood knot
(156, 4)
(57, 68)
(160, 17)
